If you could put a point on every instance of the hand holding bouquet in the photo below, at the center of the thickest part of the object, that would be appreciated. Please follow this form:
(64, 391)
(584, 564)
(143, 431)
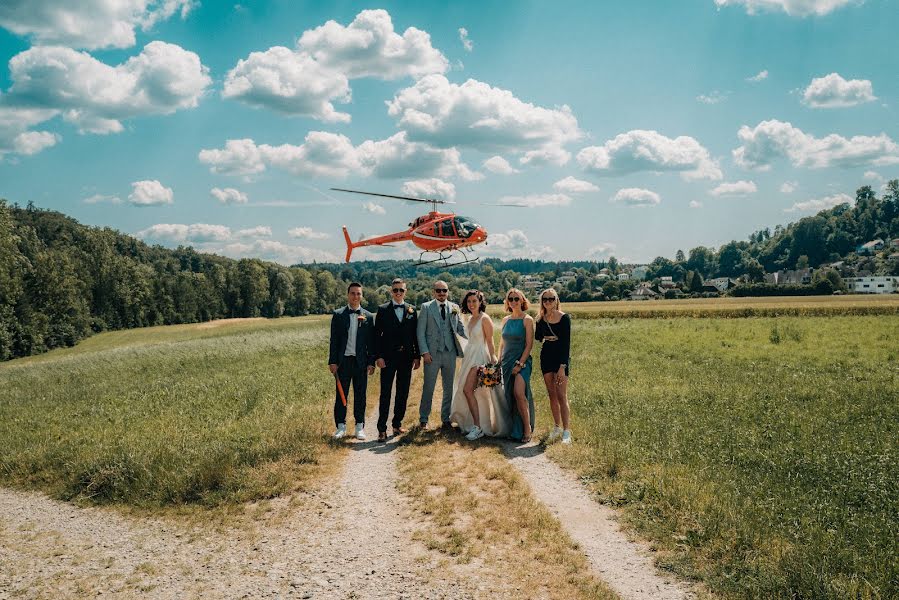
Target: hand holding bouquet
(489, 375)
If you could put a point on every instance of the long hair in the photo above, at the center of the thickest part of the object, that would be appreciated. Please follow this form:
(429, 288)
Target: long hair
(477, 294)
(543, 294)
(523, 303)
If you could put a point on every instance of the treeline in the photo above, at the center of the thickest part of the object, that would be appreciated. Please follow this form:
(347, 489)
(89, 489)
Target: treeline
(61, 281)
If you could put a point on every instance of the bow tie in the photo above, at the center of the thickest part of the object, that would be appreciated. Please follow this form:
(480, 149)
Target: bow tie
(358, 311)
(399, 306)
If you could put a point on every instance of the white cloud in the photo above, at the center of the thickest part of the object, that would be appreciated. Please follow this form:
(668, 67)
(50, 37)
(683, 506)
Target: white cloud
(228, 196)
(832, 91)
(375, 209)
(258, 231)
(499, 165)
(794, 8)
(100, 199)
(738, 188)
(788, 187)
(715, 97)
(695, 204)
(774, 139)
(873, 176)
(276, 252)
(641, 150)
(636, 197)
(533, 200)
(603, 250)
(514, 244)
(325, 154)
(32, 142)
(14, 124)
(571, 185)
(160, 80)
(760, 76)
(463, 37)
(430, 188)
(307, 233)
(150, 193)
(819, 204)
(176, 232)
(480, 116)
(548, 155)
(87, 24)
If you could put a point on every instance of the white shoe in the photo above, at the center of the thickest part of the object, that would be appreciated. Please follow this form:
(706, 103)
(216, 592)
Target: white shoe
(566, 436)
(475, 433)
(554, 434)
(360, 431)
(341, 431)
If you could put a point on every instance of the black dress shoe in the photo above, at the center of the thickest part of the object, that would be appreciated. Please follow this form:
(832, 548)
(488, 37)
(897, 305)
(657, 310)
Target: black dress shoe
(447, 426)
(382, 436)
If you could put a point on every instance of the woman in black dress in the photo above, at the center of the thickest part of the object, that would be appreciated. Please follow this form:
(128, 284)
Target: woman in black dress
(554, 330)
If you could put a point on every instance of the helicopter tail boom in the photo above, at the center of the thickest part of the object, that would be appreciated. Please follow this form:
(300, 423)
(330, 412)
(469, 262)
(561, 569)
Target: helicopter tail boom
(349, 243)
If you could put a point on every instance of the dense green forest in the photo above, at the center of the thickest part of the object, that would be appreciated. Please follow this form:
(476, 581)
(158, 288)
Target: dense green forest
(60, 280)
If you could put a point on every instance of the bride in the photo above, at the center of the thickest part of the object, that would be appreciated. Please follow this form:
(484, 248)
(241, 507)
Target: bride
(477, 410)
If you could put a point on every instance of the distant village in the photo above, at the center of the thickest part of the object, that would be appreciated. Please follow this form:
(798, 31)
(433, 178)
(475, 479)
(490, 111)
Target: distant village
(634, 282)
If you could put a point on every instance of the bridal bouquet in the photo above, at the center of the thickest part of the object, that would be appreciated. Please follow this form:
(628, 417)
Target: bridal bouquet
(489, 375)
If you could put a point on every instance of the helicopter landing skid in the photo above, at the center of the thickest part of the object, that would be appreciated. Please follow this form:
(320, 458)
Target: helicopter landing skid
(445, 258)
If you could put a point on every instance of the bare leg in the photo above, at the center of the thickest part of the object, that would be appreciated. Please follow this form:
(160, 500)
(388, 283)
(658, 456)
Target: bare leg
(468, 390)
(521, 401)
(552, 390)
(562, 398)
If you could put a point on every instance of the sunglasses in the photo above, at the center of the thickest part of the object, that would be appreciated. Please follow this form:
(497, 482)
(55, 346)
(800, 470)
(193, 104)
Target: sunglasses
(548, 299)
(441, 290)
(398, 290)
(513, 298)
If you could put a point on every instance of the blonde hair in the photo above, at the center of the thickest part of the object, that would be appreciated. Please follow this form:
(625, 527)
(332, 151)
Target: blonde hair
(524, 304)
(555, 294)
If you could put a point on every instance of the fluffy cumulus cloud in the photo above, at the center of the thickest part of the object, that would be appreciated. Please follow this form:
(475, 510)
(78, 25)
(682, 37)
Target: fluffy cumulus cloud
(480, 116)
(514, 244)
(430, 188)
(307, 233)
(308, 80)
(533, 200)
(570, 185)
(375, 209)
(87, 23)
(228, 196)
(738, 188)
(275, 251)
(150, 193)
(760, 76)
(599, 251)
(771, 140)
(788, 187)
(52, 80)
(15, 136)
(832, 91)
(255, 232)
(499, 165)
(325, 154)
(873, 176)
(180, 233)
(463, 37)
(641, 150)
(548, 155)
(102, 199)
(636, 197)
(819, 204)
(794, 8)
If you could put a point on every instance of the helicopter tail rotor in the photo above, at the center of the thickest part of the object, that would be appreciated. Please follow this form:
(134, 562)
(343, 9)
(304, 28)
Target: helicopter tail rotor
(349, 243)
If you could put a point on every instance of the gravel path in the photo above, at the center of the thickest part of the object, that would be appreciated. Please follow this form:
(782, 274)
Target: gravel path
(353, 540)
(626, 566)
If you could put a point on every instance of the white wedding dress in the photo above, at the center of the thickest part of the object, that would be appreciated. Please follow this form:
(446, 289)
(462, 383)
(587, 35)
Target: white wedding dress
(492, 406)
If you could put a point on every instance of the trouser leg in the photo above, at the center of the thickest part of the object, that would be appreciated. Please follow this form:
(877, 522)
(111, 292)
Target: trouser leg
(448, 373)
(387, 375)
(403, 381)
(360, 386)
(427, 390)
(345, 376)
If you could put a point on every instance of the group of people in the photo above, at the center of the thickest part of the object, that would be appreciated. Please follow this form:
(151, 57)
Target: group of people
(400, 339)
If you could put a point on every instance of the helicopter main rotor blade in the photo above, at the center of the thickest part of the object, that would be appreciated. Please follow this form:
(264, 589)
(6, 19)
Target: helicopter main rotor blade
(396, 197)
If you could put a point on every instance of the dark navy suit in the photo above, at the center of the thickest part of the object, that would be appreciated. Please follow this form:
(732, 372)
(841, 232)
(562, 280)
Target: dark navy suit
(351, 369)
(396, 342)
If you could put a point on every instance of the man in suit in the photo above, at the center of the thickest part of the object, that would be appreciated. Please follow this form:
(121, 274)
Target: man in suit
(396, 354)
(439, 326)
(351, 357)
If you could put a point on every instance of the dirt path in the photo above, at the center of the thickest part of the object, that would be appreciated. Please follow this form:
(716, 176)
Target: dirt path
(626, 566)
(351, 541)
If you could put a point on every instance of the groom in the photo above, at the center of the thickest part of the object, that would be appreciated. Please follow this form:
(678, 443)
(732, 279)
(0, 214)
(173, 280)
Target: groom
(438, 329)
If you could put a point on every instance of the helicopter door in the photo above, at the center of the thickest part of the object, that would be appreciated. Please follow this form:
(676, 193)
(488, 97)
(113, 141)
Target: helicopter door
(446, 229)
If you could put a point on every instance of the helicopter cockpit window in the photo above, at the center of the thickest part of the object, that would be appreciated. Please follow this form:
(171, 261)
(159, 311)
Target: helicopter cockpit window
(446, 228)
(465, 226)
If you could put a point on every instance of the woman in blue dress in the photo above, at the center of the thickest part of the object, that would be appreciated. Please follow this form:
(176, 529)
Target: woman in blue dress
(515, 354)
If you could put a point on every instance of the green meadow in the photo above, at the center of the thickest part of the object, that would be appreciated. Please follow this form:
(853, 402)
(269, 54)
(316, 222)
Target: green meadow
(759, 455)
(207, 414)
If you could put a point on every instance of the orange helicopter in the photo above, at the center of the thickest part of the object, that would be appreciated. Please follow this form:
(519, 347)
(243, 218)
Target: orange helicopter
(436, 232)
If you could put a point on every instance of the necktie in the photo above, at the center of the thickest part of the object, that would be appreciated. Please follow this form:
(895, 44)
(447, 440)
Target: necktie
(443, 311)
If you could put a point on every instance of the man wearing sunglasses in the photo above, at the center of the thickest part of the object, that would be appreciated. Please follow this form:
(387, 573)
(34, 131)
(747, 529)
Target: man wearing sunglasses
(439, 328)
(396, 354)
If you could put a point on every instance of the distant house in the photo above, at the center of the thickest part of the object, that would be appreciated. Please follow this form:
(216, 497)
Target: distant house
(531, 283)
(873, 285)
(644, 292)
(667, 283)
(721, 284)
(789, 277)
(601, 276)
(623, 276)
(639, 272)
(870, 247)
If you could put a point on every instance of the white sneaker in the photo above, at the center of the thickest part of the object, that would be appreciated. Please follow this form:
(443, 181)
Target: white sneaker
(554, 434)
(566, 436)
(341, 431)
(475, 433)
(360, 431)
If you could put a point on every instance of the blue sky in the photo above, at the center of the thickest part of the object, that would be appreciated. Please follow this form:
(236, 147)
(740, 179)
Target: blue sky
(629, 128)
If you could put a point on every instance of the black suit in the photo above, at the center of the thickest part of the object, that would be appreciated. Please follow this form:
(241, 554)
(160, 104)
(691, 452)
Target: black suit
(351, 369)
(396, 342)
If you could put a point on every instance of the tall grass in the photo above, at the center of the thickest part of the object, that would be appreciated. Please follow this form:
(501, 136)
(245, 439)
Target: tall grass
(199, 414)
(760, 455)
